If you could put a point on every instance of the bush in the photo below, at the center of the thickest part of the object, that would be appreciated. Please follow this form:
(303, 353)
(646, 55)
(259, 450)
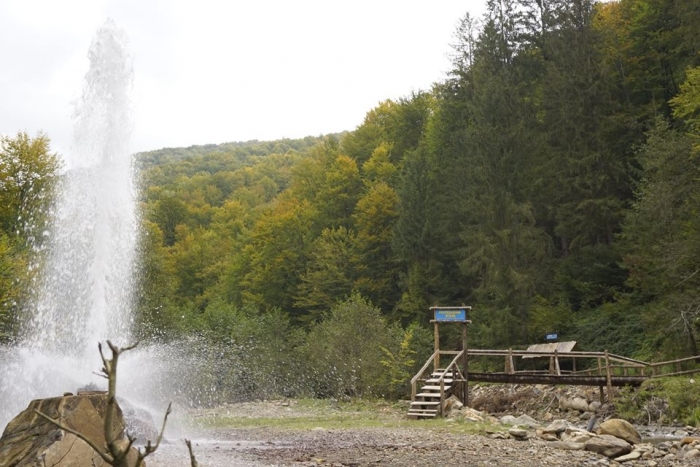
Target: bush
(662, 400)
(247, 353)
(343, 352)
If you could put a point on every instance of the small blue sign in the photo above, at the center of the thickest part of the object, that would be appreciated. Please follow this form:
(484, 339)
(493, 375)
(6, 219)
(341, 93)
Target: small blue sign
(552, 336)
(450, 314)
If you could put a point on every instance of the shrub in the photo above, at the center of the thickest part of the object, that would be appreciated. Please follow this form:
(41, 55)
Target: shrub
(343, 352)
(662, 400)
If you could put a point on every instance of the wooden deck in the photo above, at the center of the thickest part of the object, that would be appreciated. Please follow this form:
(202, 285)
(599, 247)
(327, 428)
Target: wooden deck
(601, 369)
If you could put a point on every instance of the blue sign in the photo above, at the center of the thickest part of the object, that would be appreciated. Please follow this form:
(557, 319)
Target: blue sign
(552, 336)
(450, 314)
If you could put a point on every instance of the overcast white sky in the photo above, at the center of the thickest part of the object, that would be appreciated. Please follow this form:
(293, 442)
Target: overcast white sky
(215, 71)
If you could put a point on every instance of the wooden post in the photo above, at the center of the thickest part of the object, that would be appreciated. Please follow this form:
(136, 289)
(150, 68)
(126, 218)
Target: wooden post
(436, 361)
(608, 376)
(442, 395)
(556, 363)
(510, 367)
(465, 389)
(600, 368)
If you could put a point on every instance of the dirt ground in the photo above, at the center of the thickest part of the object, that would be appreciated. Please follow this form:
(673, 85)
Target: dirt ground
(365, 447)
(399, 442)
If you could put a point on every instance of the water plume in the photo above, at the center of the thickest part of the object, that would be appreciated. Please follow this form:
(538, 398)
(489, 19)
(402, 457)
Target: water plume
(85, 291)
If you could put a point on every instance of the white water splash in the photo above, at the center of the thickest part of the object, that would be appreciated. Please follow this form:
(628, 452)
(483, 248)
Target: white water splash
(85, 293)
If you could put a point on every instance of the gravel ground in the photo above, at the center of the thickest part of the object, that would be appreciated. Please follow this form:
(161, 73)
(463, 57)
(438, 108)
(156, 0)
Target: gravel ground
(401, 447)
(364, 447)
(414, 443)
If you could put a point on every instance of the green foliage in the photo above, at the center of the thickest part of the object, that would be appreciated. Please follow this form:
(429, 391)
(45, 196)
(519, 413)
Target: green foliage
(28, 176)
(674, 400)
(12, 269)
(614, 327)
(329, 275)
(533, 183)
(253, 353)
(663, 239)
(28, 179)
(344, 350)
(399, 365)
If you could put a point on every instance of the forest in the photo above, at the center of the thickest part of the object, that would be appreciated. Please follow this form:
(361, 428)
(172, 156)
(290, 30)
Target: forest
(550, 181)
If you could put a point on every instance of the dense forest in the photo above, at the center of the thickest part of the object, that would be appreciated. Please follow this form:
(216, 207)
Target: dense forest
(550, 181)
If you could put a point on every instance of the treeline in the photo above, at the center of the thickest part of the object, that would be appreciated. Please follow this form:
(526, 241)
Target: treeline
(551, 182)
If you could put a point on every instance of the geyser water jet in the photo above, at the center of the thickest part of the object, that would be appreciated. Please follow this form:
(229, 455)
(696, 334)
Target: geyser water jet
(85, 292)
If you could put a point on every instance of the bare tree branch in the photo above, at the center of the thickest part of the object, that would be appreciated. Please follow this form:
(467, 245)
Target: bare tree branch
(117, 451)
(193, 460)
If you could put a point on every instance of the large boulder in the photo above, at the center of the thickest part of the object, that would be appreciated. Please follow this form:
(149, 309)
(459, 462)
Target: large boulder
(621, 429)
(607, 445)
(32, 441)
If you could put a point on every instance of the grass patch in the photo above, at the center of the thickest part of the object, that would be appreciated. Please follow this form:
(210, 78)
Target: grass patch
(306, 414)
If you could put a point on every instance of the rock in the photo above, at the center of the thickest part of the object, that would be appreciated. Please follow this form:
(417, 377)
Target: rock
(557, 426)
(567, 446)
(576, 437)
(547, 436)
(139, 423)
(634, 455)
(473, 415)
(518, 433)
(665, 445)
(586, 415)
(608, 445)
(526, 420)
(620, 429)
(575, 403)
(692, 454)
(507, 420)
(30, 440)
(690, 440)
(450, 404)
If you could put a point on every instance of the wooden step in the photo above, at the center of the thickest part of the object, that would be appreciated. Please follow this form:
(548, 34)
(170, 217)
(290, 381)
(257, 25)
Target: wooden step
(437, 380)
(428, 394)
(423, 414)
(435, 388)
(415, 403)
(423, 411)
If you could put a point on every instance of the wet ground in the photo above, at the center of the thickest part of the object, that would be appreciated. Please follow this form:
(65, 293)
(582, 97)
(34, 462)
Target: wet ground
(372, 447)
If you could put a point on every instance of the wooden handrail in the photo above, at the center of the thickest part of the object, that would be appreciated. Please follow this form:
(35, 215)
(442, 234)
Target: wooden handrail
(673, 362)
(577, 354)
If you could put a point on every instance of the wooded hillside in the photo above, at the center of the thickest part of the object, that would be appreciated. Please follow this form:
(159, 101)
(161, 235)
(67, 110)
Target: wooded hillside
(551, 182)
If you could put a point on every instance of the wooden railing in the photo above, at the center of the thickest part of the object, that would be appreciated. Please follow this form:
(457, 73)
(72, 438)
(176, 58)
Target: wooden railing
(433, 361)
(607, 369)
(605, 363)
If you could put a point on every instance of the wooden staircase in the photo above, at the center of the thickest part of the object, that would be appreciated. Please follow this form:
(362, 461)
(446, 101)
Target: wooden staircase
(428, 402)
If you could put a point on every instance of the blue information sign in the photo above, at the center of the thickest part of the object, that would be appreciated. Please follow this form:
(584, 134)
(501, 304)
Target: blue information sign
(552, 336)
(450, 314)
